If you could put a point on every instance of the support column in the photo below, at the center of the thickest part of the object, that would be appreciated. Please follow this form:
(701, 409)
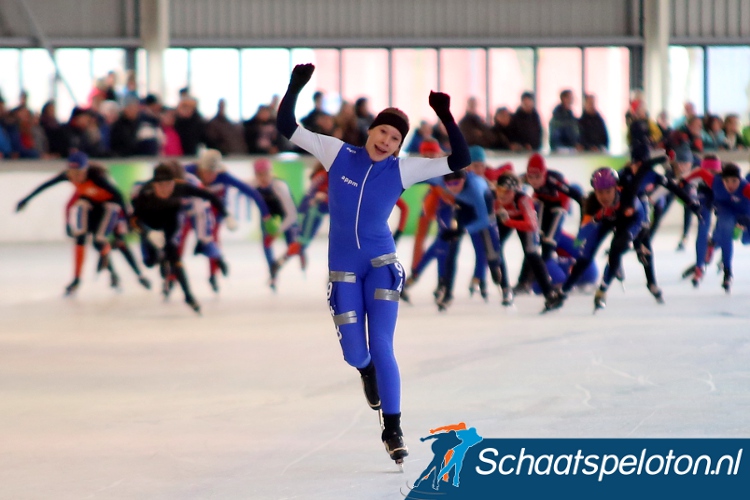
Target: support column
(154, 30)
(656, 28)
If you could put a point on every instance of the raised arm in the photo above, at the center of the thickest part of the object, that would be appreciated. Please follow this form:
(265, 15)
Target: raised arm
(322, 147)
(248, 191)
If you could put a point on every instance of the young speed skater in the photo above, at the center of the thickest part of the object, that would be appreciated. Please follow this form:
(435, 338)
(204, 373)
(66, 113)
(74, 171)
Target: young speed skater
(312, 209)
(731, 200)
(210, 171)
(635, 180)
(95, 211)
(365, 277)
(552, 195)
(661, 199)
(483, 245)
(515, 211)
(278, 198)
(704, 243)
(447, 235)
(429, 148)
(474, 215)
(604, 212)
(157, 214)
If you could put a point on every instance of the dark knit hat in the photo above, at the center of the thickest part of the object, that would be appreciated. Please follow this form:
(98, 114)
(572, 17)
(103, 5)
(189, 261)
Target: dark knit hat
(389, 117)
(163, 172)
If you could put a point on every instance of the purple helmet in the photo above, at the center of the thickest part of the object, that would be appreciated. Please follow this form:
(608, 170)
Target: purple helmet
(604, 178)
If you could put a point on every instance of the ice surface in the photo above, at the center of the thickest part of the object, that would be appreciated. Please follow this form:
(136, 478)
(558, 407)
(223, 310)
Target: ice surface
(120, 395)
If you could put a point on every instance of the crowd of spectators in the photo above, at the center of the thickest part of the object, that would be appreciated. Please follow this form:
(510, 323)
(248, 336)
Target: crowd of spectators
(120, 123)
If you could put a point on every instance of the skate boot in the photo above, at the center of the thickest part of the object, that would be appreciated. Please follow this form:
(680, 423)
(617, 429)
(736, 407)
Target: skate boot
(103, 262)
(444, 301)
(507, 297)
(554, 300)
(473, 286)
(167, 286)
(690, 271)
(681, 244)
(114, 280)
(393, 439)
(275, 266)
(214, 283)
(522, 288)
(144, 281)
(404, 291)
(370, 386)
(727, 283)
(600, 299)
(194, 305)
(697, 276)
(303, 260)
(656, 292)
(483, 290)
(223, 267)
(71, 289)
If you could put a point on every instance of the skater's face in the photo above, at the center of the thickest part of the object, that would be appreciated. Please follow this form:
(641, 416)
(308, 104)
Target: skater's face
(382, 142)
(535, 179)
(731, 183)
(682, 169)
(164, 189)
(606, 197)
(77, 175)
(264, 178)
(478, 167)
(455, 186)
(504, 195)
(206, 176)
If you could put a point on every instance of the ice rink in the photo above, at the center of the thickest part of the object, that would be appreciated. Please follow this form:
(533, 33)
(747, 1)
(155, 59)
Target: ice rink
(121, 395)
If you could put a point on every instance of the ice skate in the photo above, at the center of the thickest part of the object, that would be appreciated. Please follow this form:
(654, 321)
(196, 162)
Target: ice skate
(727, 283)
(114, 280)
(656, 292)
(370, 386)
(507, 297)
(167, 286)
(600, 299)
(473, 286)
(103, 262)
(194, 305)
(444, 301)
(214, 283)
(223, 267)
(483, 290)
(145, 282)
(697, 276)
(690, 271)
(522, 288)
(554, 300)
(681, 245)
(73, 287)
(394, 445)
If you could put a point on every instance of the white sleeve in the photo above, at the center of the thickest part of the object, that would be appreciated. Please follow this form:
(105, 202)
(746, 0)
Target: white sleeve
(322, 147)
(282, 191)
(417, 169)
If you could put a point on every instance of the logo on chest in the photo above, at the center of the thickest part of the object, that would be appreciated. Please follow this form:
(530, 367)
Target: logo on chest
(347, 180)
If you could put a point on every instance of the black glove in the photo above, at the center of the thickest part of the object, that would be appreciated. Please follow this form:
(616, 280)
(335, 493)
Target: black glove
(450, 234)
(397, 235)
(301, 74)
(441, 103)
(21, 204)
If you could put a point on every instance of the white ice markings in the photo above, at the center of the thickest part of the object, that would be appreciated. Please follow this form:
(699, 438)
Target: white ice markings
(642, 380)
(586, 395)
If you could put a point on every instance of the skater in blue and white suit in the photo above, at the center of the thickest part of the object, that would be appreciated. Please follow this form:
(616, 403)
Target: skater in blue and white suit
(365, 276)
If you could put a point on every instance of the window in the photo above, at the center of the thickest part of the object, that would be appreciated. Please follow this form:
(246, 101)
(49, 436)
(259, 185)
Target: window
(511, 74)
(214, 75)
(463, 74)
(607, 78)
(105, 60)
(175, 75)
(414, 74)
(365, 74)
(76, 90)
(559, 69)
(325, 79)
(685, 81)
(37, 77)
(10, 85)
(729, 81)
(265, 72)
